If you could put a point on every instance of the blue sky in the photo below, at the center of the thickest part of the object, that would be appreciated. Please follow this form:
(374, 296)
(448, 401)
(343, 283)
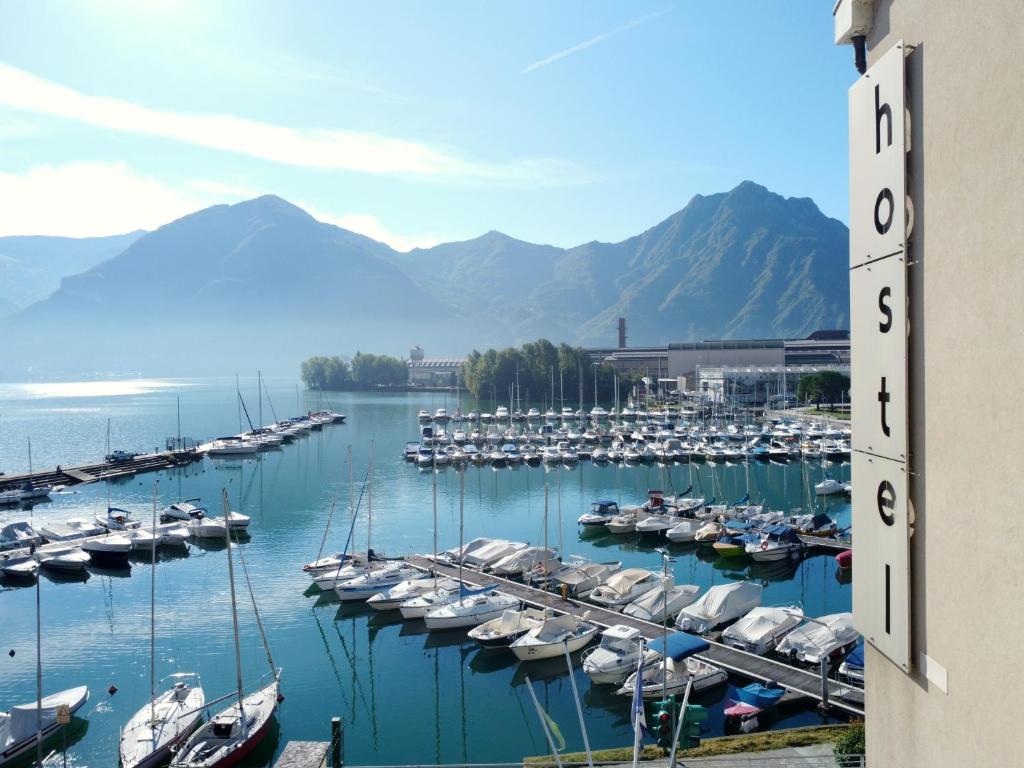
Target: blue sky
(415, 122)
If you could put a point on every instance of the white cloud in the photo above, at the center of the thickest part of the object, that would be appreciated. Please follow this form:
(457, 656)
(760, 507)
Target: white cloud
(313, 148)
(96, 199)
(593, 41)
(87, 200)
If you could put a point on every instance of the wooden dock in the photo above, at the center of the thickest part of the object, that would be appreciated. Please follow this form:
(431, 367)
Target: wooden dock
(746, 665)
(104, 470)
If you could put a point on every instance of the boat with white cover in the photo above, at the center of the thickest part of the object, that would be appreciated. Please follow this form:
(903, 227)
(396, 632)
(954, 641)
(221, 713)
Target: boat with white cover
(18, 566)
(582, 576)
(828, 487)
(110, 548)
(19, 727)
(375, 581)
(504, 630)
(75, 528)
(760, 630)
(554, 636)
(624, 587)
(70, 559)
(663, 602)
(183, 511)
(526, 560)
(827, 636)
(490, 553)
(674, 667)
(719, 605)
(19, 535)
(684, 531)
(617, 656)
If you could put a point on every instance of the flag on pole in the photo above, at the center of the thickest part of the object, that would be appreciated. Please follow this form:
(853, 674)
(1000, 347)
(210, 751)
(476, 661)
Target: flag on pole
(637, 716)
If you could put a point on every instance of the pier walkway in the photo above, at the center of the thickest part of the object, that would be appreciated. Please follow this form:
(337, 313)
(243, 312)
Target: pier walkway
(104, 470)
(797, 681)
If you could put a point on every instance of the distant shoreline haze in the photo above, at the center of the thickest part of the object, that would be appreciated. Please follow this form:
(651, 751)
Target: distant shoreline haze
(262, 284)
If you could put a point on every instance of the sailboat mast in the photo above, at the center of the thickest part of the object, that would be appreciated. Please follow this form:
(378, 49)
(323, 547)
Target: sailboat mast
(259, 393)
(433, 491)
(462, 496)
(152, 625)
(369, 505)
(234, 617)
(39, 675)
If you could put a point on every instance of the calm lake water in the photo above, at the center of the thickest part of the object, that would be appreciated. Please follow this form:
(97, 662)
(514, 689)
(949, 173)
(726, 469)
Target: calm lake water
(405, 696)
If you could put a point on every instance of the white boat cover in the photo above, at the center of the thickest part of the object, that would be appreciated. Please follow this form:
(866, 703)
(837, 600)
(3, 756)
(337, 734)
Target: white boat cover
(652, 604)
(723, 602)
(20, 722)
(555, 629)
(760, 624)
(813, 639)
(624, 581)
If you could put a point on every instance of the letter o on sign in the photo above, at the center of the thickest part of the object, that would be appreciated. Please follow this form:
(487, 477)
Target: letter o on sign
(886, 501)
(880, 226)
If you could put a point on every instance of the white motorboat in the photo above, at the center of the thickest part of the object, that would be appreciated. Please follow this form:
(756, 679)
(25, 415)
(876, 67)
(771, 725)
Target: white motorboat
(331, 564)
(825, 637)
(553, 636)
(418, 607)
(776, 542)
(760, 630)
(18, 566)
(624, 587)
(708, 533)
(18, 536)
(655, 523)
(662, 603)
(582, 575)
(551, 455)
(118, 520)
(684, 531)
(375, 581)
(624, 522)
(30, 492)
(719, 605)
(71, 559)
(600, 514)
(111, 547)
(828, 487)
(174, 536)
(237, 521)
(491, 553)
(617, 656)
(207, 528)
(504, 630)
(75, 528)
(455, 554)
(20, 727)
(184, 511)
(143, 539)
(526, 560)
(670, 676)
(471, 610)
(391, 599)
(232, 446)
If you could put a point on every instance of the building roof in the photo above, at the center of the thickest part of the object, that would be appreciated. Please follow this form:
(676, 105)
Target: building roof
(437, 362)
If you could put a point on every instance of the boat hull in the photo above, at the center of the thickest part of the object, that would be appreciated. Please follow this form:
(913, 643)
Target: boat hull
(551, 650)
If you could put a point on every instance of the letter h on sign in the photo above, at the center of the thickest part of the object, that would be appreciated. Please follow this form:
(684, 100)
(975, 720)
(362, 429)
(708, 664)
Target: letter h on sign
(878, 326)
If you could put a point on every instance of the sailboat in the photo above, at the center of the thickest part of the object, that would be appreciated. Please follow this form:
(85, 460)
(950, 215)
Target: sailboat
(30, 492)
(473, 607)
(168, 718)
(234, 732)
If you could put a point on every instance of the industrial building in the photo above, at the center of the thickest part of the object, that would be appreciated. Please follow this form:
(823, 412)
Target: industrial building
(433, 371)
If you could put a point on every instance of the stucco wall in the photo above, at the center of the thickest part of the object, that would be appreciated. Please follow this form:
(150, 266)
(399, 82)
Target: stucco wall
(965, 94)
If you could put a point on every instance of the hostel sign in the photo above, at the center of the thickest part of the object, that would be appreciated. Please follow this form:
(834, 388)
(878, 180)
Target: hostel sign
(878, 327)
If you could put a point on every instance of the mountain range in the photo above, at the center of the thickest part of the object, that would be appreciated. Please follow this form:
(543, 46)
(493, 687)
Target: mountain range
(263, 283)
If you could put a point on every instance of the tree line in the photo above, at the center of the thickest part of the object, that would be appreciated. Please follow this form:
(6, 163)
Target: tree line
(542, 372)
(823, 387)
(363, 370)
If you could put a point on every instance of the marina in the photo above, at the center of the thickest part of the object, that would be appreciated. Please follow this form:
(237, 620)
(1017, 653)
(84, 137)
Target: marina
(346, 659)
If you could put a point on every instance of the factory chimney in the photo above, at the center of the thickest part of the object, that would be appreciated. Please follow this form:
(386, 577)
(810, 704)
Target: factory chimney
(622, 333)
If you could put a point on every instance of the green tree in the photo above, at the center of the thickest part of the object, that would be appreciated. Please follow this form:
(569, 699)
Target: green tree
(822, 387)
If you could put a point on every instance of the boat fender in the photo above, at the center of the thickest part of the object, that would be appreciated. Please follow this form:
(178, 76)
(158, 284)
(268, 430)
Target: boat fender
(11, 653)
(764, 545)
(280, 698)
(112, 690)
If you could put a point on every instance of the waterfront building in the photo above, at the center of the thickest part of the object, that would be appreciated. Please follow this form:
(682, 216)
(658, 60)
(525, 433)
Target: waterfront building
(935, 226)
(434, 371)
(756, 385)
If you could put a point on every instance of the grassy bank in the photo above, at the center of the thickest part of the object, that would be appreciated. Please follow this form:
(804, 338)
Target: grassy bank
(723, 745)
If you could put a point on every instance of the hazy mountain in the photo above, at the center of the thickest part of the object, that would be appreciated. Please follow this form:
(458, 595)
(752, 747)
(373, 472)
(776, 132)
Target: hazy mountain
(31, 267)
(263, 283)
(257, 283)
(745, 263)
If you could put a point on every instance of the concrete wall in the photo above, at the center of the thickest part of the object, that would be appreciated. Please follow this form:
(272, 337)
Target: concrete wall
(965, 94)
